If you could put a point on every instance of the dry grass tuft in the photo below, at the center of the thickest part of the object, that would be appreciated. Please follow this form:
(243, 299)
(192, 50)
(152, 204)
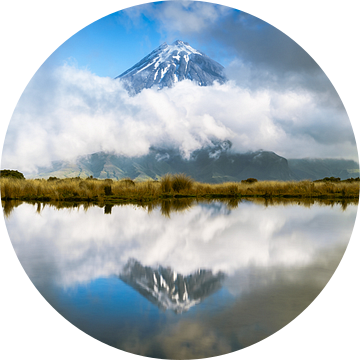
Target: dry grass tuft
(182, 182)
(179, 185)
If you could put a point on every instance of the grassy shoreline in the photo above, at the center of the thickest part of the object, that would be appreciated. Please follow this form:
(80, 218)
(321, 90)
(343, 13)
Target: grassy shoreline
(169, 187)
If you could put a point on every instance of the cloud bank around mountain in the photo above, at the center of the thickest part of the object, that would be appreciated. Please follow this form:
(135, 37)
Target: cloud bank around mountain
(277, 98)
(71, 112)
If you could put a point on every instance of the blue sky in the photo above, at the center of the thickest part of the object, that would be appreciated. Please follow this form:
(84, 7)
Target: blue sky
(277, 97)
(107, 46)
(114, 43)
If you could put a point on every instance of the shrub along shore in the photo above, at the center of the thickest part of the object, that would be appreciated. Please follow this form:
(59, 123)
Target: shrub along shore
(169, 186)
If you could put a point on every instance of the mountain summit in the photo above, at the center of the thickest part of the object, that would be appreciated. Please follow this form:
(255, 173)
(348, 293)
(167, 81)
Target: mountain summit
(169, 64)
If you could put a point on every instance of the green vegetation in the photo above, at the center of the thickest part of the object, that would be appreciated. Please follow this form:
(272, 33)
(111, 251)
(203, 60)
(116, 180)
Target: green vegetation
(170, 186)
(248, 181)
(13, 174)
(336, 180)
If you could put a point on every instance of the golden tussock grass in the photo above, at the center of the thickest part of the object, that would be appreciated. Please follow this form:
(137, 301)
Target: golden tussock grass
(179, 185)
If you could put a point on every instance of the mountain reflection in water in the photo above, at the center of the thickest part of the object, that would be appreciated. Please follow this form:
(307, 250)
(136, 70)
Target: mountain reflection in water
(169, 290)
(261, 265)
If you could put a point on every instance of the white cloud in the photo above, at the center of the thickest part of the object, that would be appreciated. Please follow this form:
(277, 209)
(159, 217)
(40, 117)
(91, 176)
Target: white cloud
(77, 113)
(186, 17)
(72, 112)
(89, 245)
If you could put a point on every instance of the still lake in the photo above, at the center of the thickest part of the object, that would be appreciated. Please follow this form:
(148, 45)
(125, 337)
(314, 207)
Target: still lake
(181, 279)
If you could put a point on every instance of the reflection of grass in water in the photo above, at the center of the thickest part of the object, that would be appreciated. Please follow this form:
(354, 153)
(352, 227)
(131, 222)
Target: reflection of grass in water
(177, 205)
(168, 206)
(306, 202)
(9, 206)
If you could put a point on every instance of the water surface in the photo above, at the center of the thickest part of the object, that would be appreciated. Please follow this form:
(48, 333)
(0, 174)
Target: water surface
(182, 280)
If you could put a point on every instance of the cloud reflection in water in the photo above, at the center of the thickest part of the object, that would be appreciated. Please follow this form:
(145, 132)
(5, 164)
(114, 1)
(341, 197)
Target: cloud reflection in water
(276, 260)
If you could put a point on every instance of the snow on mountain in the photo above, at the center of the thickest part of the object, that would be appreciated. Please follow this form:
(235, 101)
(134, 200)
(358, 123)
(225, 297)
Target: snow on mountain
(169, 64)
(169, 290)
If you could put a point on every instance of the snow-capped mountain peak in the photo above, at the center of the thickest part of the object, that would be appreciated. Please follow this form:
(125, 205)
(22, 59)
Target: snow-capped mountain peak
(169, 64)
(177, 47)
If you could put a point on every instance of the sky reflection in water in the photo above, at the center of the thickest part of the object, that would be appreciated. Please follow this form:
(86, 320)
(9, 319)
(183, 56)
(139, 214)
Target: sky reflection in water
(275, 261)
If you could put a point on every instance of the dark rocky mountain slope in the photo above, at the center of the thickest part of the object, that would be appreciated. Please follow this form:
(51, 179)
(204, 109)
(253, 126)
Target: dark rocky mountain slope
(212, 164)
